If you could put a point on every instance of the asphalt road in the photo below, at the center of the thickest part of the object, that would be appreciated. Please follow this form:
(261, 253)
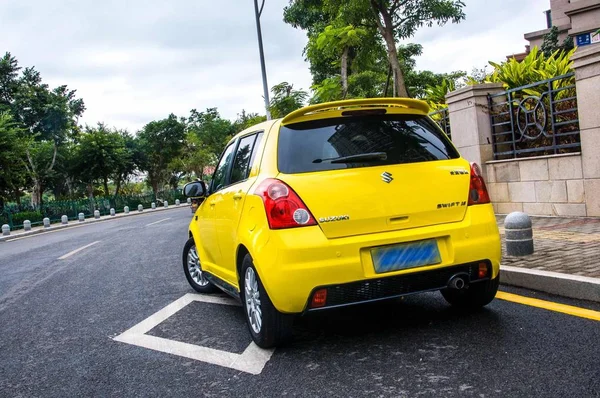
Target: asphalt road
(59, 319)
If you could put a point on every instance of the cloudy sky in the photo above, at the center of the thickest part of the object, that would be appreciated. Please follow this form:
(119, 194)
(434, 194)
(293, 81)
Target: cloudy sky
(133, 61)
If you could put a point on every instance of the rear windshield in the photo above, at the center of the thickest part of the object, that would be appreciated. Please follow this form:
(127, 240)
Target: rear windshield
(371, 141)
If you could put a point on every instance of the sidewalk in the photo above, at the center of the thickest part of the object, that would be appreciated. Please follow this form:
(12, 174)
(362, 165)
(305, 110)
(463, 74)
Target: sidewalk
(566, 258)
(88, 221)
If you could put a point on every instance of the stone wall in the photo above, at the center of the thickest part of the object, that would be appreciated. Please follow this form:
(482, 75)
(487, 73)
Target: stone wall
(546, 185)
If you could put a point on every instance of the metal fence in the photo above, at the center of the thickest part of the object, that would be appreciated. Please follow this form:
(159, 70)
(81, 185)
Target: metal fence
(442, 118)
(14, 214)
(535, 120)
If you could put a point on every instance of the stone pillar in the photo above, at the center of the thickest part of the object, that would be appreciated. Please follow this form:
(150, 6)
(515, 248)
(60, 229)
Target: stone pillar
(586, 62)
(470, 122)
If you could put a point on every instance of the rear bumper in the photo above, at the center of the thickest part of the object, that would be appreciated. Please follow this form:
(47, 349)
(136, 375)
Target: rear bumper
(293, 263)
(396, 286)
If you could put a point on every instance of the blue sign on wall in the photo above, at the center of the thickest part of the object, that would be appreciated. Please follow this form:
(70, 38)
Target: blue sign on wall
(583, 39)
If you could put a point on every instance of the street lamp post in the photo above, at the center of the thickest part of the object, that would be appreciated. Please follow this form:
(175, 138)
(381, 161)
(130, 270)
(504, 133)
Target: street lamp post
(258, 13)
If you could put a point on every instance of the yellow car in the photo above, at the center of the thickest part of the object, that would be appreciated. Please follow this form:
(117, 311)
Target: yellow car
(337, 204)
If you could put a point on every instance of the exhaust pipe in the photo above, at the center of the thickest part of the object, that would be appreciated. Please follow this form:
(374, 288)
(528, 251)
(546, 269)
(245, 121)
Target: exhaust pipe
(457, 282)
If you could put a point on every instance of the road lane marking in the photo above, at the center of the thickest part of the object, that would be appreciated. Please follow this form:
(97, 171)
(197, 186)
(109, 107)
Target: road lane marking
(156, 222)
(550, 306)
(69, 254)
(252, 360)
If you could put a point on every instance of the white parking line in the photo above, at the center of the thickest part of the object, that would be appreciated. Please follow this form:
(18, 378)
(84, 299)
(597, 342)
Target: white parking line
(252, 360)
(69, 254)
(156, 222)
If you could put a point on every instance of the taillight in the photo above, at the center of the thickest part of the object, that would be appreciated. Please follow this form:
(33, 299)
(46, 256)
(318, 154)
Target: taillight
(283, 206)
(478, 193)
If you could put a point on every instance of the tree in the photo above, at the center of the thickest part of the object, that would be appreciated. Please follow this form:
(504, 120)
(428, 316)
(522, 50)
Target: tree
(338, 41)
(12, 151)
(369, 65)
(400, 19)
(286, 99)
(550, 44)
(160, 142)
(102, 154)
(48, 117)
(245, 120)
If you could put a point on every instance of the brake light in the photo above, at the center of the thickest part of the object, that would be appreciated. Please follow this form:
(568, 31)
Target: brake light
(283, 206)
(478, 193)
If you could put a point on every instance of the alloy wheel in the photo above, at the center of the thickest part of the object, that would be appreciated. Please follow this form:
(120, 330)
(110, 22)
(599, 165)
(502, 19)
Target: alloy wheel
(252, 296)
(194, 267)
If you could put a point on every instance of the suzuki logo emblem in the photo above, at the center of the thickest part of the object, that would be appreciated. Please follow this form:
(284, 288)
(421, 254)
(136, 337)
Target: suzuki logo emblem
(387, 177)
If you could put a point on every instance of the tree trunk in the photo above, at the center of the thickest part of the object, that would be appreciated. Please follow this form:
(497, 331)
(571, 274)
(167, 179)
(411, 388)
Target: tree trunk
(344, 72)
(118, 185)
(90, 189)
(386, 28)
(106, 193)
(36, 193)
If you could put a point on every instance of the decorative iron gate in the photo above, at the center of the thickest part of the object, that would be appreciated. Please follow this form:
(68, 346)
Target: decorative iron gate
(535, 120)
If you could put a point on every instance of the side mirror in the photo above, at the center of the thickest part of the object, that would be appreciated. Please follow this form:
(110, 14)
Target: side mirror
(195, 189)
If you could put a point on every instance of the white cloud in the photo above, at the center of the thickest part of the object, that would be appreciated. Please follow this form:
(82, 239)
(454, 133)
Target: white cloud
(136, 61)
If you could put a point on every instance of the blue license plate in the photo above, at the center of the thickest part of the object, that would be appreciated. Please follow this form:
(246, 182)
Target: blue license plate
(405, 255)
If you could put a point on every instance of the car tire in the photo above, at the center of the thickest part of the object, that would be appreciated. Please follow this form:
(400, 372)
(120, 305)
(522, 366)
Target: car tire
(193, 269)
(475, 296)
(268, 327)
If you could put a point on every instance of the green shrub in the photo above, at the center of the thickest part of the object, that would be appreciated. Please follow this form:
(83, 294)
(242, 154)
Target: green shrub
(33, 216)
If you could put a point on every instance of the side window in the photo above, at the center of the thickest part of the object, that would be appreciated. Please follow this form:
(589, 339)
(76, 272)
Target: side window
(244, 157)
(219, 179)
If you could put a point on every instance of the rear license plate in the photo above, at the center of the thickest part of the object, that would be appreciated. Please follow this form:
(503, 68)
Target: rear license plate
(405, 255)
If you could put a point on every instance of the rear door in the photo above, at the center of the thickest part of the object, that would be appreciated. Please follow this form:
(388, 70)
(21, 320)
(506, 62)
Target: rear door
(367, 174)
(231, 203)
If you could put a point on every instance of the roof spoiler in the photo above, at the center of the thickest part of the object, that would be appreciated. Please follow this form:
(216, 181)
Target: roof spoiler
(394, 105)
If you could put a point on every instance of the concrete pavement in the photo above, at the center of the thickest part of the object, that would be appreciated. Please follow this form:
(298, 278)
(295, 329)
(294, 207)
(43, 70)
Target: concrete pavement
(566, 260)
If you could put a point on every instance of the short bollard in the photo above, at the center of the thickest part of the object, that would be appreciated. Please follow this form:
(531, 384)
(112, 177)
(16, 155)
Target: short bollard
(96, 214)
(27, 225)
(166, 204)
(5, 229)
(126, 209)
(153, 205)
(46, 221)
(189, 201)
(64, 220)
(140, 208)
(518, 234)
(112, 212)
(177, 202)
(81, 217)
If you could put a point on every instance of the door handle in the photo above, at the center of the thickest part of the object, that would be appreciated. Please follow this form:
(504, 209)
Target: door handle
(211, 204)
(237, 196)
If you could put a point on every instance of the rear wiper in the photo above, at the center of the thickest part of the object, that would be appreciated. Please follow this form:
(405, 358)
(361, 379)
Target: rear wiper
(361, 157)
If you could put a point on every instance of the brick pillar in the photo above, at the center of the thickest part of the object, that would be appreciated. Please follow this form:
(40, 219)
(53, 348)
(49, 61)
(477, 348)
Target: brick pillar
(470, 122)
(587, 80)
